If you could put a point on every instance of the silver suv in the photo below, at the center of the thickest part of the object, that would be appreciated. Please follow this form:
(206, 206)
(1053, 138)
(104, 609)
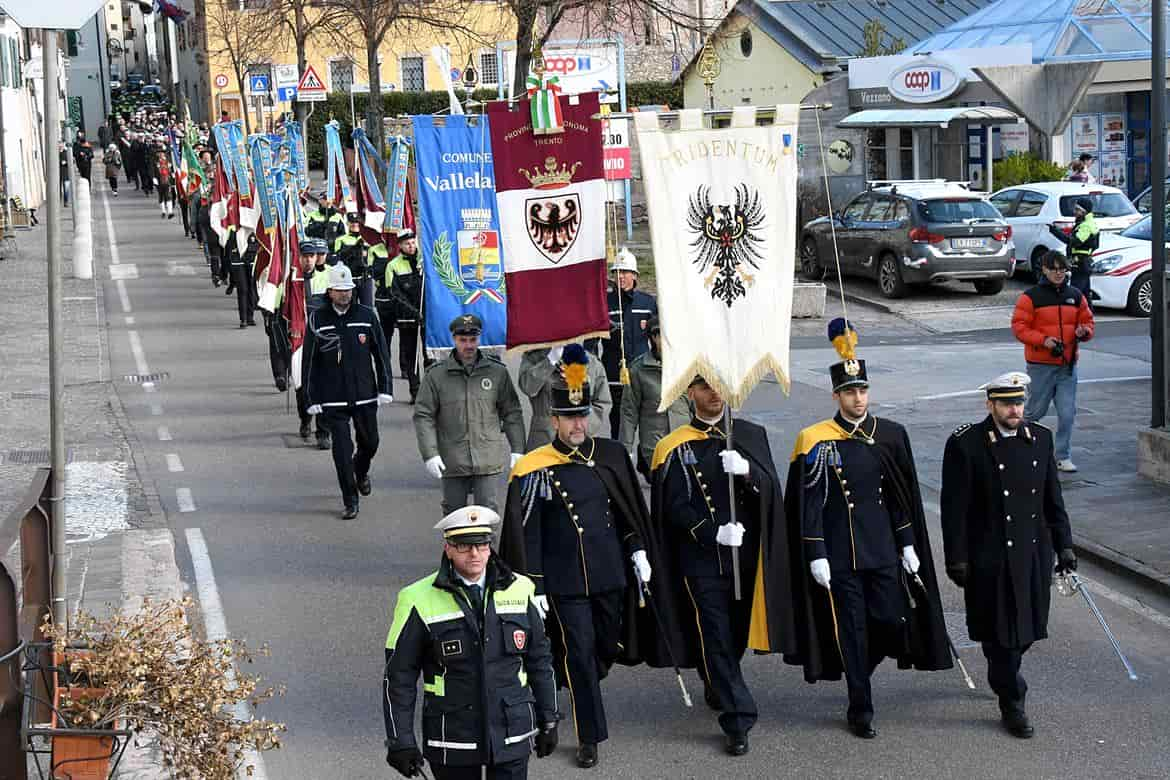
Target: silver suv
(911, 233)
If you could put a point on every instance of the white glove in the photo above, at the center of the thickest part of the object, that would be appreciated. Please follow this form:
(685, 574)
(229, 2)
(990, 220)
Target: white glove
(385, 398)
(734, 463)
(541, 604)
(641, 565)
(554, 354)
(730, 535)
(909, 559)
(516, 456)
(315, 409)
(155, 182)
(436, 467)
(820, 571)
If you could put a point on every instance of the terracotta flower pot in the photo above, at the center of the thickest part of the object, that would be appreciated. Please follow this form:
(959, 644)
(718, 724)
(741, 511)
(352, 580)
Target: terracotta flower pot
(77, 756)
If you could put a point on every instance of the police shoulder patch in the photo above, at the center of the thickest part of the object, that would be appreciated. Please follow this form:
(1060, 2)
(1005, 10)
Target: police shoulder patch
(961, 429)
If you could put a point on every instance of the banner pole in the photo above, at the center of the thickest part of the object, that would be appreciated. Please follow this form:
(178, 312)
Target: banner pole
(731, 504)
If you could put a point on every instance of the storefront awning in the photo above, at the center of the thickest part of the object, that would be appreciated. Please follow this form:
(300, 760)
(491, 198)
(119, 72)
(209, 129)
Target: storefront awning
(930, 117)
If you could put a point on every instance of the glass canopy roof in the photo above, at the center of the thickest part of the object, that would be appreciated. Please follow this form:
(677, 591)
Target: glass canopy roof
(1058, 30)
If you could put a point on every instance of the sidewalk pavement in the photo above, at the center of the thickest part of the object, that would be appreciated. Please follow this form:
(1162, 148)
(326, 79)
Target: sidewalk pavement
(119, 548)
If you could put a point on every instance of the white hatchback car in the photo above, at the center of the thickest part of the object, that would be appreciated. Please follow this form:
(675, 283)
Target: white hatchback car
(1122, 277)
(1031, 208)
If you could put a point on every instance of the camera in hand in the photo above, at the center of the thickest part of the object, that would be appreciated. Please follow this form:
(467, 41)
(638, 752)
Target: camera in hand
(1057, 350)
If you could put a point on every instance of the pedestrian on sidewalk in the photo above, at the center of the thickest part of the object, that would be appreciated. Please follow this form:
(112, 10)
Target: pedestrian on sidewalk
(346, 375)
(83, 155)
(113, 160)
(164, 180)
(467, 407)
(1004, 525)
(488, 685)
(1051, 319)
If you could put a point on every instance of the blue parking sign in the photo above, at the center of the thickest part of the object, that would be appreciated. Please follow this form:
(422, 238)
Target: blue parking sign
(258, 84)
(286, 93)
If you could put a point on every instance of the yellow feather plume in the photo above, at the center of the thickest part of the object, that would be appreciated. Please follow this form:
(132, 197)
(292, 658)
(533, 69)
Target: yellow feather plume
(845, 344)
(575, 376)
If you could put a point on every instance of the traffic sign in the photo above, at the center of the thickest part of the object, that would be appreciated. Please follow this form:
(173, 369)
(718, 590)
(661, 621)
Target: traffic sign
(288, 94)
(616, 149)
(221, 81)
(258, 84)
(310, 88)
(57, 15)
(285, 75)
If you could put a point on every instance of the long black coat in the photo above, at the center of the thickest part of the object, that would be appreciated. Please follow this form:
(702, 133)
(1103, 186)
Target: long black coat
(1003, 515)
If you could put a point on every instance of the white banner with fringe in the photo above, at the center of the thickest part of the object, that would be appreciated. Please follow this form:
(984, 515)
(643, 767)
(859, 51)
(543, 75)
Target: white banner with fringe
(722, 211)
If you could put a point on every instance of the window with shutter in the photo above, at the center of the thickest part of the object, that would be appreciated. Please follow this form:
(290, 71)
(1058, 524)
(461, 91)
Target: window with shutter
(4, 63)
(413, 78)
(489, 68)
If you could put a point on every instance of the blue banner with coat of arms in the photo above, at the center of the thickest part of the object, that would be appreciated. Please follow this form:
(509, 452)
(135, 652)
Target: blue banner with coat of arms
(459, 229)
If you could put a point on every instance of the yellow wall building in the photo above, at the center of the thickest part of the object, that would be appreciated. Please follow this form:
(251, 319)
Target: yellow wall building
(406, 62)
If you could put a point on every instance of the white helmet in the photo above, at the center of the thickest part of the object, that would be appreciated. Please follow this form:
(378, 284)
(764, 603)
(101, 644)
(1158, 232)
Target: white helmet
(340, 277)
(625, 261)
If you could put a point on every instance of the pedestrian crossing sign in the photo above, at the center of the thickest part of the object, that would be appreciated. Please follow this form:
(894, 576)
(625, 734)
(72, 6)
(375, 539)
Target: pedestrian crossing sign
(310, 88)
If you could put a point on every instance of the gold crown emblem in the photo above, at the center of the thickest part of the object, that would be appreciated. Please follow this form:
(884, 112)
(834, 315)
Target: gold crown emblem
(550, 177)
(852, 367)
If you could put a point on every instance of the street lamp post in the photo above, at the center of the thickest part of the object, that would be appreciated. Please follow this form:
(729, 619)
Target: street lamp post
(1158, 411)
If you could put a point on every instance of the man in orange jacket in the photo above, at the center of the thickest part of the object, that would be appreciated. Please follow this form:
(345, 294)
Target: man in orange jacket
(1051, 320)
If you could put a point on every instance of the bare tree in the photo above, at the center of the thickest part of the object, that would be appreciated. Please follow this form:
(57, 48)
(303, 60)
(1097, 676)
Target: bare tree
(537, 21)
(368, 22)
(242, 37)
(302, 20)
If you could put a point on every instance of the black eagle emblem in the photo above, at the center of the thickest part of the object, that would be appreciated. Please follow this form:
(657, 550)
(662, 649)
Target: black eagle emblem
(726, 239)
(553, 224)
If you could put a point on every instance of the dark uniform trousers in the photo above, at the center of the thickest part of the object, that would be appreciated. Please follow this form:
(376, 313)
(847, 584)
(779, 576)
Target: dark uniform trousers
(579, 551)
(352, 464)
(697, 505)
(279, 348)
(868, 606)
(408, 335)
(246, 298)
(1003, 675)
(848, 521)
(509, 770)
(590, 627)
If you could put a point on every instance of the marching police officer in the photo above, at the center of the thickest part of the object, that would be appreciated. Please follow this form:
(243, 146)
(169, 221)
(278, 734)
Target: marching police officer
(630, 311)
(324, 223)
(471, 630)
(853, 489)
(346, 375)
(1004, 523)
(240, 265)
(640, 417)
(573, 525)
(467, 406)
(351, 250)
(314, 251)
(540, 369)
(399, 297)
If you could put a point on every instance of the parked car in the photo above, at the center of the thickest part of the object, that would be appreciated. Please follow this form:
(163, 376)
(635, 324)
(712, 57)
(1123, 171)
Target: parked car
(135, 81)
(1031, 208)
(912, 233)
(1144, 201)
(1122, 276)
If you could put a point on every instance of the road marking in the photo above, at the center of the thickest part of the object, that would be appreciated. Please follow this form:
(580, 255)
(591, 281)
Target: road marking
(136, 349)
(215, 625)
(114, 259)
(173, 462)
(124, 296)
(156, 410)
(1098, 381)
(175, 268)
(148, 387)
(122, 272)
(185, 500)
(78, 298)
(164, 433)
(129, 320)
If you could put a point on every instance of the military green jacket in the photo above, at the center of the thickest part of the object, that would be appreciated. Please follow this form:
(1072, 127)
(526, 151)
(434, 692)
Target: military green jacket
(640, 415)
(469, 415)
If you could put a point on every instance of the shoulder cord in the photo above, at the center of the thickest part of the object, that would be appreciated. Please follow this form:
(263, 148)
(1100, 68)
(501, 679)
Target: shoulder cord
(536, 485)
(826, 453)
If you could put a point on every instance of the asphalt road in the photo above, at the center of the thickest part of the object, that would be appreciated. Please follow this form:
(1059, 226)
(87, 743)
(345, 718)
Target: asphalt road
(221, 446)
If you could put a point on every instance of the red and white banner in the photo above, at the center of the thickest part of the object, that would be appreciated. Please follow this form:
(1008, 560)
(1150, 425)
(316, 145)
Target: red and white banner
(550, 190)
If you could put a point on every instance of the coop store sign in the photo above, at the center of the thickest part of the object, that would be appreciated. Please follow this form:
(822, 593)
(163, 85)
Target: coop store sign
(924, 82)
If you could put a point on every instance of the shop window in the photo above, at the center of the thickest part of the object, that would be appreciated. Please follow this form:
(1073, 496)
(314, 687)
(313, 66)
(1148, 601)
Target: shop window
(906, 153)
(413, 77)
(875, 154)
(1031, 204)
(745, 42)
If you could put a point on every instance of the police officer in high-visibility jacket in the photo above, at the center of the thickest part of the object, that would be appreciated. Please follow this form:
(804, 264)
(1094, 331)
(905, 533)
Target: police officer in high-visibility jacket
(324, 223)
(1082, 242)
(473, 633)
(314, 251)
(352, 251)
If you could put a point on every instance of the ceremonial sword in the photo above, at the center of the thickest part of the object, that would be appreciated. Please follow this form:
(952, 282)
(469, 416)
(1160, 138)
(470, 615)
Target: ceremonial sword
(1075, 585)
(950, 643)
(643, 597)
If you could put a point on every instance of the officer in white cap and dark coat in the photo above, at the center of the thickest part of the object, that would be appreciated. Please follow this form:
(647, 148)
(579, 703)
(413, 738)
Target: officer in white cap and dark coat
(1004, 525)
(346, 376)
(473, 632)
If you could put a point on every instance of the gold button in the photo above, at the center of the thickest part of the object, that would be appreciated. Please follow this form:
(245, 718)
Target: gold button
(557, 482)
(848, 493)
(580, 530)
(1033, 491)
(698, 473)
(576, 518)
(570, 505)
(844, 482)
(1009, 542)
(1009, 518)
(1006, 493)
(1001, 467)
(564, 494)
(851, 506)
(1033, 464)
